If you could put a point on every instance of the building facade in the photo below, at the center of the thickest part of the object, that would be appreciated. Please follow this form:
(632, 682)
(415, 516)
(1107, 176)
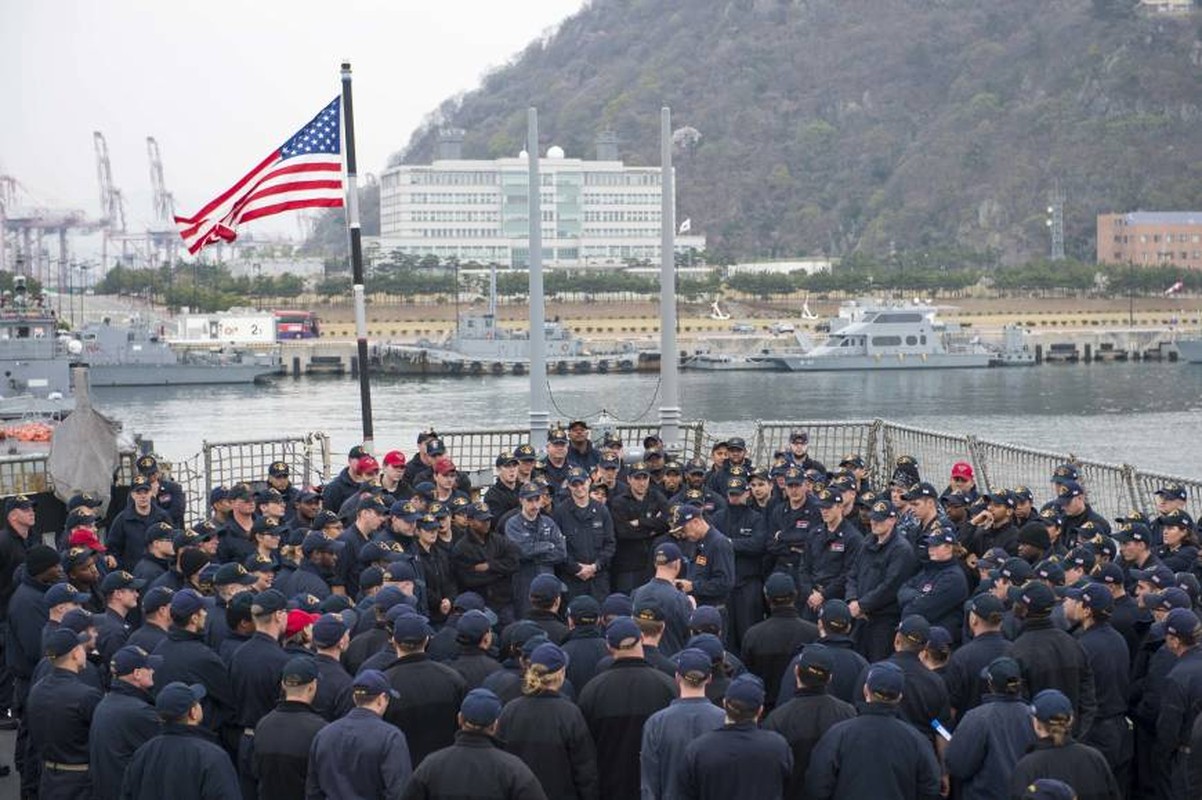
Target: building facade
(594, 213)
(1151, 238)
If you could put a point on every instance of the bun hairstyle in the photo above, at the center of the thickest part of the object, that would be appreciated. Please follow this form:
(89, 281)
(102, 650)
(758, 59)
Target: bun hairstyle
(538, 678)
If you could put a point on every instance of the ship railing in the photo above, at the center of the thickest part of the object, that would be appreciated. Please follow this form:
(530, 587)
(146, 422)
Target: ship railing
(830, 441)
(225, 463)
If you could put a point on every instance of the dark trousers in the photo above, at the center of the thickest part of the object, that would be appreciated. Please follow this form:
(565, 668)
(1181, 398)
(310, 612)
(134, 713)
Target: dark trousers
(746, 608)
(26, 764)
(1114, 739)
(598, 587)
(246, 768)
(874, 636)
(63, 785)
(1153, 767)
(627, 581)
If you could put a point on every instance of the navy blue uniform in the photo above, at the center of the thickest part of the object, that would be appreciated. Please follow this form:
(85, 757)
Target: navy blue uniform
(360, 755)
(712, 570)
(112, 633)
(59, 715)
(844, 680)
(802, 721)
(474, 768)
(1052, 659)
(184, 762)
(1179, 707)
(255, 673)
(1110, 664)
(585, 646)
(826, 560)
(737, 760)
(874, 582)
(172, 500)
(925, 697)
(875, 756)
(747, 530)
(429, 704)
(123, 721)
(187, 659)
(769, 646)
(789, 532)
(989, 741)
(676, 608)
(963, 671)
(126, 537)
(666, 736)
(588, 532)
(636, 524)
(283, 739)
(333, 687)
(937, 594)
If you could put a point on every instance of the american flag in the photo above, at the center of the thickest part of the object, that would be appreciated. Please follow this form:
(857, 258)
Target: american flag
(306, 172)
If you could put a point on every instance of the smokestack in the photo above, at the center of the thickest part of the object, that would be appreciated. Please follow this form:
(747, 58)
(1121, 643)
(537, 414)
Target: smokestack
(607, 146)
(450, 144)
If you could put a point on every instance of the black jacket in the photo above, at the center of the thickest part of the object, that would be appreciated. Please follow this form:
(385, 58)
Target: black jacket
(1052, 659)
(550, 735)
(336, 492)
(428, 705)
(826, 559)
(282, 742)
(333, 687)
(436, 570)
(501, 499)
(925, 695)
(188, 659)
(1181, 701)
(474, 767)
(183, 763)
(122, 722)
(126, 536)
(844, 681)
(736, 760)
(1078, 765)
(589, 535)
(879, 573)
(875, 756)
(802, 721)
(585, 647)
(27, 615)
(255, 672)
(768, 646)
(58, 714)
(989, 741)
(615, 704)
(633, 549)
(503, 559)
(474, 665)
(963, 671)
(12, 555)
(359, 755)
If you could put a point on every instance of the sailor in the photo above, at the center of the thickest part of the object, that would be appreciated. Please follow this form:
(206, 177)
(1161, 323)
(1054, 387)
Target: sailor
(184, 761)
(126, 535)
(234, 539)
(588, 531)
(434, 561)
(485, 562)
(188, 659)
(875, 756)
(475, 766)
(123, 721)
(284, 736)
(160, 552)
(827, 557)
(546, 595)
(348, 481)
(990, 738)
(1049, 657)
(769, 645)
(1056, 755)
(748, 533)
(1182, 700)
(810, 712)
(279, 478)
(676, 605)
(834, 634)
(430, 693)
(791, 522)
(304, 510)
(255, 672)
(711, 575)
(994, 525)
(554, 466)
(939, 590)
(331, 637)
(59, 715)
(925, 699)
(1180, 549)
(156, 617)
(581, 452)
(502, 495)
(617, 702)
(1072, 498)
(639, 516)
(168, 495)
(229, 581)
(963, 675)
(585, 642)
(962, 481)
(798, 454)
(886, 561)
(548, 732)
(738, 759)
(474, 637)
(370, 514)
(120, 590)
(539, 541)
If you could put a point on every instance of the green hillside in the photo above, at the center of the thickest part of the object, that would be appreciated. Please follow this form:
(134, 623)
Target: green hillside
(841, 126)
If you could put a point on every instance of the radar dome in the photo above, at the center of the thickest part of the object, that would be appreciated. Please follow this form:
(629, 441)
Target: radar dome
(555, 151)
(523, 155)
(74, 347)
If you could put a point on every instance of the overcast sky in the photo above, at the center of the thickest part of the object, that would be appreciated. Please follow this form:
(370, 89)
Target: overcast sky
(222, 83)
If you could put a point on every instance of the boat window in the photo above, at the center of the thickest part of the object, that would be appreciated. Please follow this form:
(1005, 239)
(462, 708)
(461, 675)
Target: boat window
(886, 341)
(911, 340)
(898, 318)
(922, 339)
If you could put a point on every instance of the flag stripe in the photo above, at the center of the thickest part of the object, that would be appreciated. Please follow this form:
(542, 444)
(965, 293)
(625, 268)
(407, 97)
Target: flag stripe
(292, 205)
(252, 175)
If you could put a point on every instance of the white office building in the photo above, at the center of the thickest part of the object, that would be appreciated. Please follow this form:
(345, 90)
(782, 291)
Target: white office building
(594, 213)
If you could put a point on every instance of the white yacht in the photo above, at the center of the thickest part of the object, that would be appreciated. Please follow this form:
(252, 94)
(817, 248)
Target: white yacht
(871, 335)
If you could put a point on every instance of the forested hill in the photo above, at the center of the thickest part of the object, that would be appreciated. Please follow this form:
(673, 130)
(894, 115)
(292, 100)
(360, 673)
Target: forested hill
(836, 126)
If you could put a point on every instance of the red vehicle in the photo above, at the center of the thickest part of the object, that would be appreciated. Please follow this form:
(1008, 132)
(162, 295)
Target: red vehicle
(296, 325)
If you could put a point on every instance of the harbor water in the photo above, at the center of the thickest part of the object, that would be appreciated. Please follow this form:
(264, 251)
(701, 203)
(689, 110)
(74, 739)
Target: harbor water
(1145, 414)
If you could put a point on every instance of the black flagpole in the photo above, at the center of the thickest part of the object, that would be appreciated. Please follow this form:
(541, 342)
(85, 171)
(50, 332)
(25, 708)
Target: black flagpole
(352, 221)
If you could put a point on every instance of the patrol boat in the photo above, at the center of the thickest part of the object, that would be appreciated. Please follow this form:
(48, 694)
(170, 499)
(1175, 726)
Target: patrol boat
(868, 335)
(136, 355)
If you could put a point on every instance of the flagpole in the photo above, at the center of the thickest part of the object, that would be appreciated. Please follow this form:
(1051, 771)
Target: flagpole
(669, 358)
(539, 413)
(352, 221)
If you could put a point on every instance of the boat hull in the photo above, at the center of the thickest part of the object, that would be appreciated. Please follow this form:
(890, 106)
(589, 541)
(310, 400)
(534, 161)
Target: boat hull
(112, 375)
(1190, 350)
(883, 362)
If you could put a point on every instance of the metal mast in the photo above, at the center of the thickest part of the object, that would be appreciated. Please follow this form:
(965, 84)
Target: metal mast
(1056, 222)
